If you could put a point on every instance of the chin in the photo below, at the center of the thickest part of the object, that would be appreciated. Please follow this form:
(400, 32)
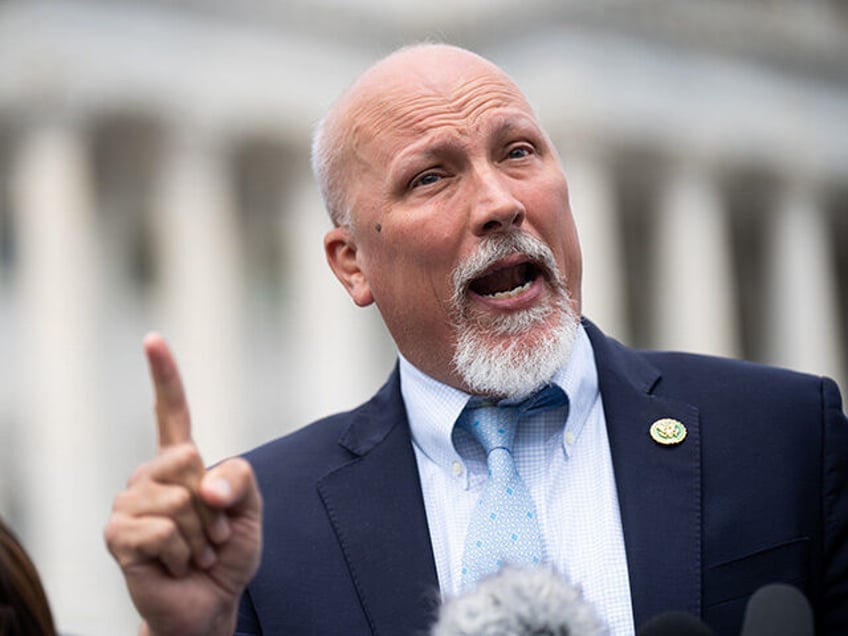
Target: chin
(517, 354)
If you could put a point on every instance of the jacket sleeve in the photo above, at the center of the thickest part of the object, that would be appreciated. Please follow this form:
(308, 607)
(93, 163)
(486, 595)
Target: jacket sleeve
(834, 617)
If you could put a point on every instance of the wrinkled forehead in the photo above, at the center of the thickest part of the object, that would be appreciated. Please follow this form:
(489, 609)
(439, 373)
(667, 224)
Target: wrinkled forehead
(416, 108)
(408, 97)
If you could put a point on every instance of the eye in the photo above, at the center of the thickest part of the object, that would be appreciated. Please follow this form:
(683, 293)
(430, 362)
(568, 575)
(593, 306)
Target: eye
(519, 151)
(425, 179)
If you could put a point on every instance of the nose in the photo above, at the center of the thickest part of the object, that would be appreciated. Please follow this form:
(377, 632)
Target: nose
(496, 208)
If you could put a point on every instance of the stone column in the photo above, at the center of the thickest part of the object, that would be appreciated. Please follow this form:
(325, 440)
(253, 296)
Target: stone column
(694, 301)
(593, 206)
(58, 421)
(8, 329)
(199, 285)
(803, 329)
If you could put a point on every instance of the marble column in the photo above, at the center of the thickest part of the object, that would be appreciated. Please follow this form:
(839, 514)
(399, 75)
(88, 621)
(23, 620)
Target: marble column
(803, 329)
(693, 306)
(58, 420)
(8, 329)
(199, 285)
(593, 205)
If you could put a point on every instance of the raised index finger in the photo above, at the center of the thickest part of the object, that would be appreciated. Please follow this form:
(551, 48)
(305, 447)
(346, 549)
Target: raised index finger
(172, 415)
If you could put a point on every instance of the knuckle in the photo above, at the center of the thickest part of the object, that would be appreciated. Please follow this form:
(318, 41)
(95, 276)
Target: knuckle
(181, 501)
(138, 474)
(123, 501)
(112, 534)
(185, 455)
(163, 533)
(180, 463)
(183, 551)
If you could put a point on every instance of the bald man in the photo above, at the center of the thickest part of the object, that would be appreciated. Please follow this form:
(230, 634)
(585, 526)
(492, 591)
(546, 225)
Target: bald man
(666, 482)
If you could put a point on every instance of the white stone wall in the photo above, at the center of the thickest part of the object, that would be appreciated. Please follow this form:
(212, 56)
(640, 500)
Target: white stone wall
(154, 175)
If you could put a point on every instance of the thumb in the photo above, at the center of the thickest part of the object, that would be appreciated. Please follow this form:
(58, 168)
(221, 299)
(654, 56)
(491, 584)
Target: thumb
(232, 486)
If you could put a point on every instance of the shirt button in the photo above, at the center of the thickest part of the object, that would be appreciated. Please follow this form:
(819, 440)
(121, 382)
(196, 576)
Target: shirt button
(569, 438)
(457, 469)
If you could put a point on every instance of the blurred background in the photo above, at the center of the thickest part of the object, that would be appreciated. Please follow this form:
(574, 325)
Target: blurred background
(154, 174)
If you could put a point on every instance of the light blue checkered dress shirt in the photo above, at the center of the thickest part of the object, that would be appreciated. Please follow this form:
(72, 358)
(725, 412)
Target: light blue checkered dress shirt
(567, 468)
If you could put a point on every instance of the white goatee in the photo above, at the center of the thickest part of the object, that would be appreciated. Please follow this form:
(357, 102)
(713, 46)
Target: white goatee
(514, 354)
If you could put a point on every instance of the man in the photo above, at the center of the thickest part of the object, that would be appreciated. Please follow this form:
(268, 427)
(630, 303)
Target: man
(668, 482)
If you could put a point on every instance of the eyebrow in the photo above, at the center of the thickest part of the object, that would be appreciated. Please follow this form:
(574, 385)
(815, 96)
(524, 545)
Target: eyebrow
(505, 125)
(405, 165)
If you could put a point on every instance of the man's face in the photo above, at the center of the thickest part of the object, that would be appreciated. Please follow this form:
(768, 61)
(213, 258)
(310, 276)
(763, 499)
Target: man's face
(455, 192)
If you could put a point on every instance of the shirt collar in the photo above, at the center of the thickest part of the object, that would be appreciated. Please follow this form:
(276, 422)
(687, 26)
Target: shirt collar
(433, 407)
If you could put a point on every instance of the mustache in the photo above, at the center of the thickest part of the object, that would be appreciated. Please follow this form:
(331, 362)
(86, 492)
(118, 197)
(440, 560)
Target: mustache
(499, 246)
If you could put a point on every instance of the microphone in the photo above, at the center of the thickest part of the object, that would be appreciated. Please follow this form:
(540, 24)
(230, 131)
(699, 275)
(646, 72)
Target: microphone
(674, 623)
(778, 610)
(519, 602)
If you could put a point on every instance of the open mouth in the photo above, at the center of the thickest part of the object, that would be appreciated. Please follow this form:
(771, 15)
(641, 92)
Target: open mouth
(506, 282)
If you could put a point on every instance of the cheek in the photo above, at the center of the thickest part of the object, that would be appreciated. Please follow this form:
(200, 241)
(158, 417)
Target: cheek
(574, 266)
(572, 260)
(431, 242)
(410, 262)
(554, 220)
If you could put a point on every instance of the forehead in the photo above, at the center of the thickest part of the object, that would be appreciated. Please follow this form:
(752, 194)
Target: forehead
(411, 97)
(418, 109)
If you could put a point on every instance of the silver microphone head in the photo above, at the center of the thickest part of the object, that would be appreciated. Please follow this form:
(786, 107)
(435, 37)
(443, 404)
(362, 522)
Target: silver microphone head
(519, 602)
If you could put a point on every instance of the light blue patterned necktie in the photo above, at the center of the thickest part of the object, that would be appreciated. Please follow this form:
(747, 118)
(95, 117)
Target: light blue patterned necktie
(503, 527)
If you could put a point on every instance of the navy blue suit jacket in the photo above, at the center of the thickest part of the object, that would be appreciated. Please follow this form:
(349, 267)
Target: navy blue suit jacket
(757, 493)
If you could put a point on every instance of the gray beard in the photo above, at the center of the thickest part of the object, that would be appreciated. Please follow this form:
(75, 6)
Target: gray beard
(512, 355)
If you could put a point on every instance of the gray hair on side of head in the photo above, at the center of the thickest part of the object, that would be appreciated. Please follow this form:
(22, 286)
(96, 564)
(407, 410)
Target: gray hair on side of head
(326, 160)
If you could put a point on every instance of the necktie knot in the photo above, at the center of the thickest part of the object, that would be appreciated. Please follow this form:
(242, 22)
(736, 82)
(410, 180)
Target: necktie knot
(491, 425)
(494, 424)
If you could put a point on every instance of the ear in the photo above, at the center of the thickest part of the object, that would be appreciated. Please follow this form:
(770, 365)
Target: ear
(343, 256)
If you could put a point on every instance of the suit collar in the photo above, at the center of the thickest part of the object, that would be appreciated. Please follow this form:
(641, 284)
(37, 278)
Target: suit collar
(659, 487)
(377, 511)
(375, 420)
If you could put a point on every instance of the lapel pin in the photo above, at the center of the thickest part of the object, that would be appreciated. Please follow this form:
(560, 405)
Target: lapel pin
(668, 432)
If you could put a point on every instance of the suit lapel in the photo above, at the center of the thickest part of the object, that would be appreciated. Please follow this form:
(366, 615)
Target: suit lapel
(377, 511)
(659, 487)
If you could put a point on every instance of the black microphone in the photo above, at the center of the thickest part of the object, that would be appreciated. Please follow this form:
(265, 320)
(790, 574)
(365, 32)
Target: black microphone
(778, 610)
(674, 623)
(519, 602)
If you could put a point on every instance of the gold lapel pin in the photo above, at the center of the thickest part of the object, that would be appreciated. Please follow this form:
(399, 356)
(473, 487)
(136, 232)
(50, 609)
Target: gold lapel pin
(668, 432)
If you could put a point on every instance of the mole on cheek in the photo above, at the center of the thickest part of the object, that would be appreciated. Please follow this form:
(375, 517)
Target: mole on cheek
(378, 227)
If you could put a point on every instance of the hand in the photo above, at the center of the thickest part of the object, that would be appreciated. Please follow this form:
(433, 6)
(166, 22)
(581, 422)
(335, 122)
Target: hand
(188, 540)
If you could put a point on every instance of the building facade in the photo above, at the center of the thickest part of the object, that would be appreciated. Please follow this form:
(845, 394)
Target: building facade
(154, 174)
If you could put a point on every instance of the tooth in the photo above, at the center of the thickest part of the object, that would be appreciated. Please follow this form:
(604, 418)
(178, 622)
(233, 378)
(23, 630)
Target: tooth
(512, 292)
